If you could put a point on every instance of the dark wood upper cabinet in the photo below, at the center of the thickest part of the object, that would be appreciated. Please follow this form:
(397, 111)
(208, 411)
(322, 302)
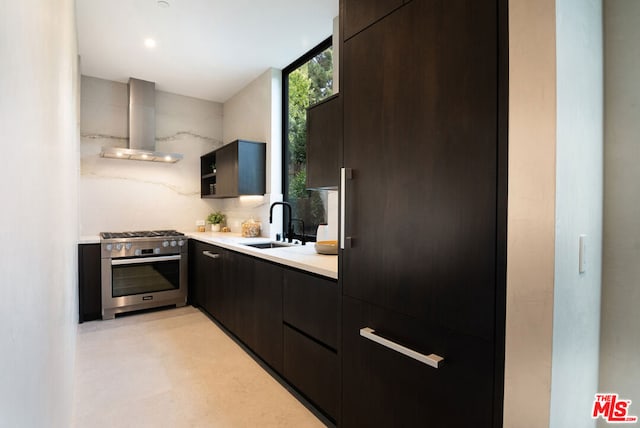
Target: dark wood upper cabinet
(359, 14)
(324, 140)
(235, 169)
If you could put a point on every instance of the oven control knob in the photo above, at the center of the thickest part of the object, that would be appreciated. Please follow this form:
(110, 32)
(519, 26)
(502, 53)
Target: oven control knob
(165, 244)
(181, 242)
(137, 252)
(109, 247)
(174, 243)
(156, 250)
(118, 247)
(127, 245)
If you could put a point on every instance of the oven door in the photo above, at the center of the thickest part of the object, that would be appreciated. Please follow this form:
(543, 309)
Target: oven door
(142, 282)
(146, 275)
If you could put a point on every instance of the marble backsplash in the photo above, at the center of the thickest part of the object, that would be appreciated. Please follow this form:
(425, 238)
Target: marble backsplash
(118, 195)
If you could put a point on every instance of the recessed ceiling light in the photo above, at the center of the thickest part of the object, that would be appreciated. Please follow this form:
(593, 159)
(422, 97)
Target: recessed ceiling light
(163, 3)
(150, 43)
(168, 158)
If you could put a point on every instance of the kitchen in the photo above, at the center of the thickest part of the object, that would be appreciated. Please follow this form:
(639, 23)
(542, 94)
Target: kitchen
(43, 85)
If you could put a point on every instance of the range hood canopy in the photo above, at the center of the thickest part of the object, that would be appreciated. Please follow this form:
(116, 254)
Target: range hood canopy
(142, 127)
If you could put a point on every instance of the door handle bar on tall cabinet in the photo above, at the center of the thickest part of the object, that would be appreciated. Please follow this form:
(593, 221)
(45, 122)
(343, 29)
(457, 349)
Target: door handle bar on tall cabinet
(431, 360)
(345, 174)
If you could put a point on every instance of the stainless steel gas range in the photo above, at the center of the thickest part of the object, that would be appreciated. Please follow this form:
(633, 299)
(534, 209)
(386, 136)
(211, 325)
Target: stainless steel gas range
(142, 270)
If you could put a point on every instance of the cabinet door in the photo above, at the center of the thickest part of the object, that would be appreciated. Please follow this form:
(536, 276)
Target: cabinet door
(215, 297)
(251, 168)
(196, 273)
(420, 133)
(359, 14)
(89, 282)
(206, 288)
(239, 287)
(227, 170)
(266, 313)
(384, 388)
(324, 139)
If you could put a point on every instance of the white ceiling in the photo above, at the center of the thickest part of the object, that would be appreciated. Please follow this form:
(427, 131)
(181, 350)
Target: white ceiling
(207, 49)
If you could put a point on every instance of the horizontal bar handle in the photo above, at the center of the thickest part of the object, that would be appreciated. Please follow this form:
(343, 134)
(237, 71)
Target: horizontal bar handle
(431, 360)
(210, 254)
(141, 260)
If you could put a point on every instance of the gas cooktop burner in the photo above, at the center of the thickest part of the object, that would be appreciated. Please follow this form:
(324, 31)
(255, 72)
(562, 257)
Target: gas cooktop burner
(140, 234)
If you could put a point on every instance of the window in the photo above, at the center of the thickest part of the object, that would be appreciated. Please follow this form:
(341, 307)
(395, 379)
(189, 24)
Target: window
(305, 82)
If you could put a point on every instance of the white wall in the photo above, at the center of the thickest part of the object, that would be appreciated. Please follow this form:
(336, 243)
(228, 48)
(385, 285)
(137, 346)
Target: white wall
(255, 114)
(579, 146)
(38, 220)
(620, 335)
(118, 195)
(531, 212)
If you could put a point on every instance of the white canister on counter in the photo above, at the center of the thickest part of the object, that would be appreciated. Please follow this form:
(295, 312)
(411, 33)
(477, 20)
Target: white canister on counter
(322, 234)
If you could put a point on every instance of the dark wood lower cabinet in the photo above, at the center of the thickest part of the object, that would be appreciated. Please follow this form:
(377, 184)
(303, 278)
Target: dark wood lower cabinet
(206, 288)
(311, 304)
(313, 369)
(238, 281)
(311, 313)
(288, 318)
(89, 280)
(243, 293)
(384, 388)
(264, 314)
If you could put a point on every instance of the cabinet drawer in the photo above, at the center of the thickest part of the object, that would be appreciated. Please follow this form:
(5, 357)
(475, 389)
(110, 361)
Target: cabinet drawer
(382, 387)
(313, 370)
(311, 306)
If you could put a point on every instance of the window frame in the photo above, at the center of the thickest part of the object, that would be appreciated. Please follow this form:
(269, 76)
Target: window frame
(319, 48)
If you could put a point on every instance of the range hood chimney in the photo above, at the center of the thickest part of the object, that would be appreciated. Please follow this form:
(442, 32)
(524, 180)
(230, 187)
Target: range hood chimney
(142, 127)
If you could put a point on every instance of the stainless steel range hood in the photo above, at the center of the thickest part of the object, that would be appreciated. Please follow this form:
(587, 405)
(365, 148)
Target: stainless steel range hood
(142, 127)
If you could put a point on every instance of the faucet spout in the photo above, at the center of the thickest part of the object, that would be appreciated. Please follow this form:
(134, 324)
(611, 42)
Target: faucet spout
(289, 233)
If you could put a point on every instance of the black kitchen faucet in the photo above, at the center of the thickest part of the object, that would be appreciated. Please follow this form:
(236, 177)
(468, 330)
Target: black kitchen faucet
(288, 235)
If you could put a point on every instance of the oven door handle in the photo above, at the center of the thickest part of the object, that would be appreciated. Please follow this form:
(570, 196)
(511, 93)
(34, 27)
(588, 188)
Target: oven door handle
(136, 261)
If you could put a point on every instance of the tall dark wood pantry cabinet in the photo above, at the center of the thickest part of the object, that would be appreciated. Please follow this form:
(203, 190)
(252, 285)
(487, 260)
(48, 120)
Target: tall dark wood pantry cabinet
(423, 266)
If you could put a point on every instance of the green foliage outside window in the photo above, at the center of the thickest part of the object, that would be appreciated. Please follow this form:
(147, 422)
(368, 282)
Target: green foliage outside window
(308, 84)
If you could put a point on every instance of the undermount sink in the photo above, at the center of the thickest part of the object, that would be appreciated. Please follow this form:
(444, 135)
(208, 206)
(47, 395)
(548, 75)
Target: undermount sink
(266, 245)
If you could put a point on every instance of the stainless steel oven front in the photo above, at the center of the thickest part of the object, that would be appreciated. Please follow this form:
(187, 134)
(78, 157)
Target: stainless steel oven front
(142, 273)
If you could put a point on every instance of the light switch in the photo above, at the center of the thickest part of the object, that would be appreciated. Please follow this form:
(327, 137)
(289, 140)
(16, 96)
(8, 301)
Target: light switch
(582, 256)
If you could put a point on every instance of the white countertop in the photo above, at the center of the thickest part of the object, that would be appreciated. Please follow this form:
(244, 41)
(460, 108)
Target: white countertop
(89, 239)
(302, 257)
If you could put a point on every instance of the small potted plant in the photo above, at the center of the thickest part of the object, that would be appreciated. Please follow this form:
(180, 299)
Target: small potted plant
(215, 219)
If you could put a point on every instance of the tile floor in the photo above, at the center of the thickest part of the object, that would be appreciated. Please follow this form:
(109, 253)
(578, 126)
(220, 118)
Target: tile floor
(175, 368)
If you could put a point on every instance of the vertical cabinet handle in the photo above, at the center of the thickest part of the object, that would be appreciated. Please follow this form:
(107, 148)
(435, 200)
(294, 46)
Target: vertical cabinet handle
(431, 360)
(211, 255)
(345, 174)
